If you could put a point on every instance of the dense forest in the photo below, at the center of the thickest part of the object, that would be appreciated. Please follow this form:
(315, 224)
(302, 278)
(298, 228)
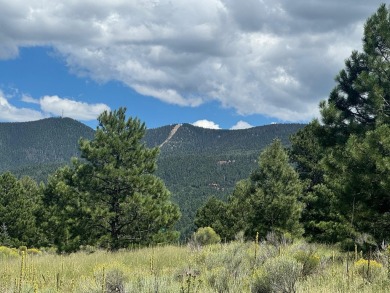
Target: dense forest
(330, 185)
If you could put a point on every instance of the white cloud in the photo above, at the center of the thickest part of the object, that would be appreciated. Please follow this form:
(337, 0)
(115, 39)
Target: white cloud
(206, 124)
(70, 108)
(49, 106)
(241, 125)
(270, 57)
(29, 99)
(169, 96)
(10, 113)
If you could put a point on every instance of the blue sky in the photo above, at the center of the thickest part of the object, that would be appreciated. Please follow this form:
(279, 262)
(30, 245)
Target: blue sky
(39, 72)
(214, 63)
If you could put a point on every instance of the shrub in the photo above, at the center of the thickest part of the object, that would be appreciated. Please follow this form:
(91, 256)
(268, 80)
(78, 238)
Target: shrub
(368, 269)
(33, 251)
(278, 274)
(264, 253)
(309, 260)
(115, 281)
(22, 249)
(88, 249)
(206, 236)
(227, 267)
(112, 277)
(6, 252)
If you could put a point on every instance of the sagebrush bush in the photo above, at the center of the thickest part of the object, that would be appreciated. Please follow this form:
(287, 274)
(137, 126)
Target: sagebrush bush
(264, 252)
(278, 274)
(112, 277)
(309, 259)
(278, 239)
(225, 266)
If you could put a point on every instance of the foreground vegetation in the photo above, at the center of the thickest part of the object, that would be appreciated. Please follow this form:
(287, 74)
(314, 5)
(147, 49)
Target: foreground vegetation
(268, 266)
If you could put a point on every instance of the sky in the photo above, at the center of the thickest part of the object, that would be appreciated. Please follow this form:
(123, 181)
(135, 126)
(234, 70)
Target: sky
(225, 64)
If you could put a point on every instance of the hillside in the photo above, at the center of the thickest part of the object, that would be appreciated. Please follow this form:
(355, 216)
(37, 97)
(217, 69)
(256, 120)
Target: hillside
(190, 139)
(195, 163)
(49, 141)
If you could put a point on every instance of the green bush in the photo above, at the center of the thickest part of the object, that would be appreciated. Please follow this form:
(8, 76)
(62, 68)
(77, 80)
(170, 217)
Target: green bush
(206, 236)
(310, 261)
(264, 253)
(22, 249)
(278, 274)
(6, 252)
(34, 251)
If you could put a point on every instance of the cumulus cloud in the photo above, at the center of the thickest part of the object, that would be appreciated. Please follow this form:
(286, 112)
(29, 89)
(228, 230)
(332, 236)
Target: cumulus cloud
(241, 125)
(269, 57)
(206, 124)
(10, 113)
(70, 108)
(49, 106)
(29, 99)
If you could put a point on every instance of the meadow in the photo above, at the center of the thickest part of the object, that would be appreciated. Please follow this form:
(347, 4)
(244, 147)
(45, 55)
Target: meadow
(232, 267)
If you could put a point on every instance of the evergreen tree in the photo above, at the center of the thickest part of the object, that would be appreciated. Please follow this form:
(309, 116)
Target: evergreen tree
(275, 192)
(350, 147)
(266, 202)
(65, 216)
(127, 203)
(215, 214)
(362, 183)
(19, 205)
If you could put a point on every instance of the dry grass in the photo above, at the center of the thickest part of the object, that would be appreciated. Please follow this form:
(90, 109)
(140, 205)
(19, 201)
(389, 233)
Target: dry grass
(233, 267)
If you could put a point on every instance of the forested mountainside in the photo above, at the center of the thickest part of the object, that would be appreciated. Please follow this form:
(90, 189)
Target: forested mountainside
(190, 139)
(195, 163)
(33, 144)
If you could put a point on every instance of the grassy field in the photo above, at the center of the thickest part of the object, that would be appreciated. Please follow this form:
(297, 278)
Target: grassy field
(232, 267)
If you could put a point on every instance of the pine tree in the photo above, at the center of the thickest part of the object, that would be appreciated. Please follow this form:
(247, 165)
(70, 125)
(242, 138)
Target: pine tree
(19, 204)
(267, 201)
(363, 182)
(215, 214)
(128, 204)
(276, 189)
(350, 146)
(65, 216)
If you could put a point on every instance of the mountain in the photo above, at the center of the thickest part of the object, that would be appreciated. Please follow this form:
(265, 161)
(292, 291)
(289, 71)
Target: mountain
(195, 163)
(50, 141)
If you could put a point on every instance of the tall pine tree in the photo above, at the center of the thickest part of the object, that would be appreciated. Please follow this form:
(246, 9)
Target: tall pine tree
(128, 204)
(19, 206)
(349, 147)
(275, 193)
(110, 197)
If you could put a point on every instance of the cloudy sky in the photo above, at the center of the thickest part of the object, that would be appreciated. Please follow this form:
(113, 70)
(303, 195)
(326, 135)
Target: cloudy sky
(214, 63)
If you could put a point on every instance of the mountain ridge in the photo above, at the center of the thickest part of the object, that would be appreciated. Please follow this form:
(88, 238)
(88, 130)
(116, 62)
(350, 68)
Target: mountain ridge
(194, 163)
